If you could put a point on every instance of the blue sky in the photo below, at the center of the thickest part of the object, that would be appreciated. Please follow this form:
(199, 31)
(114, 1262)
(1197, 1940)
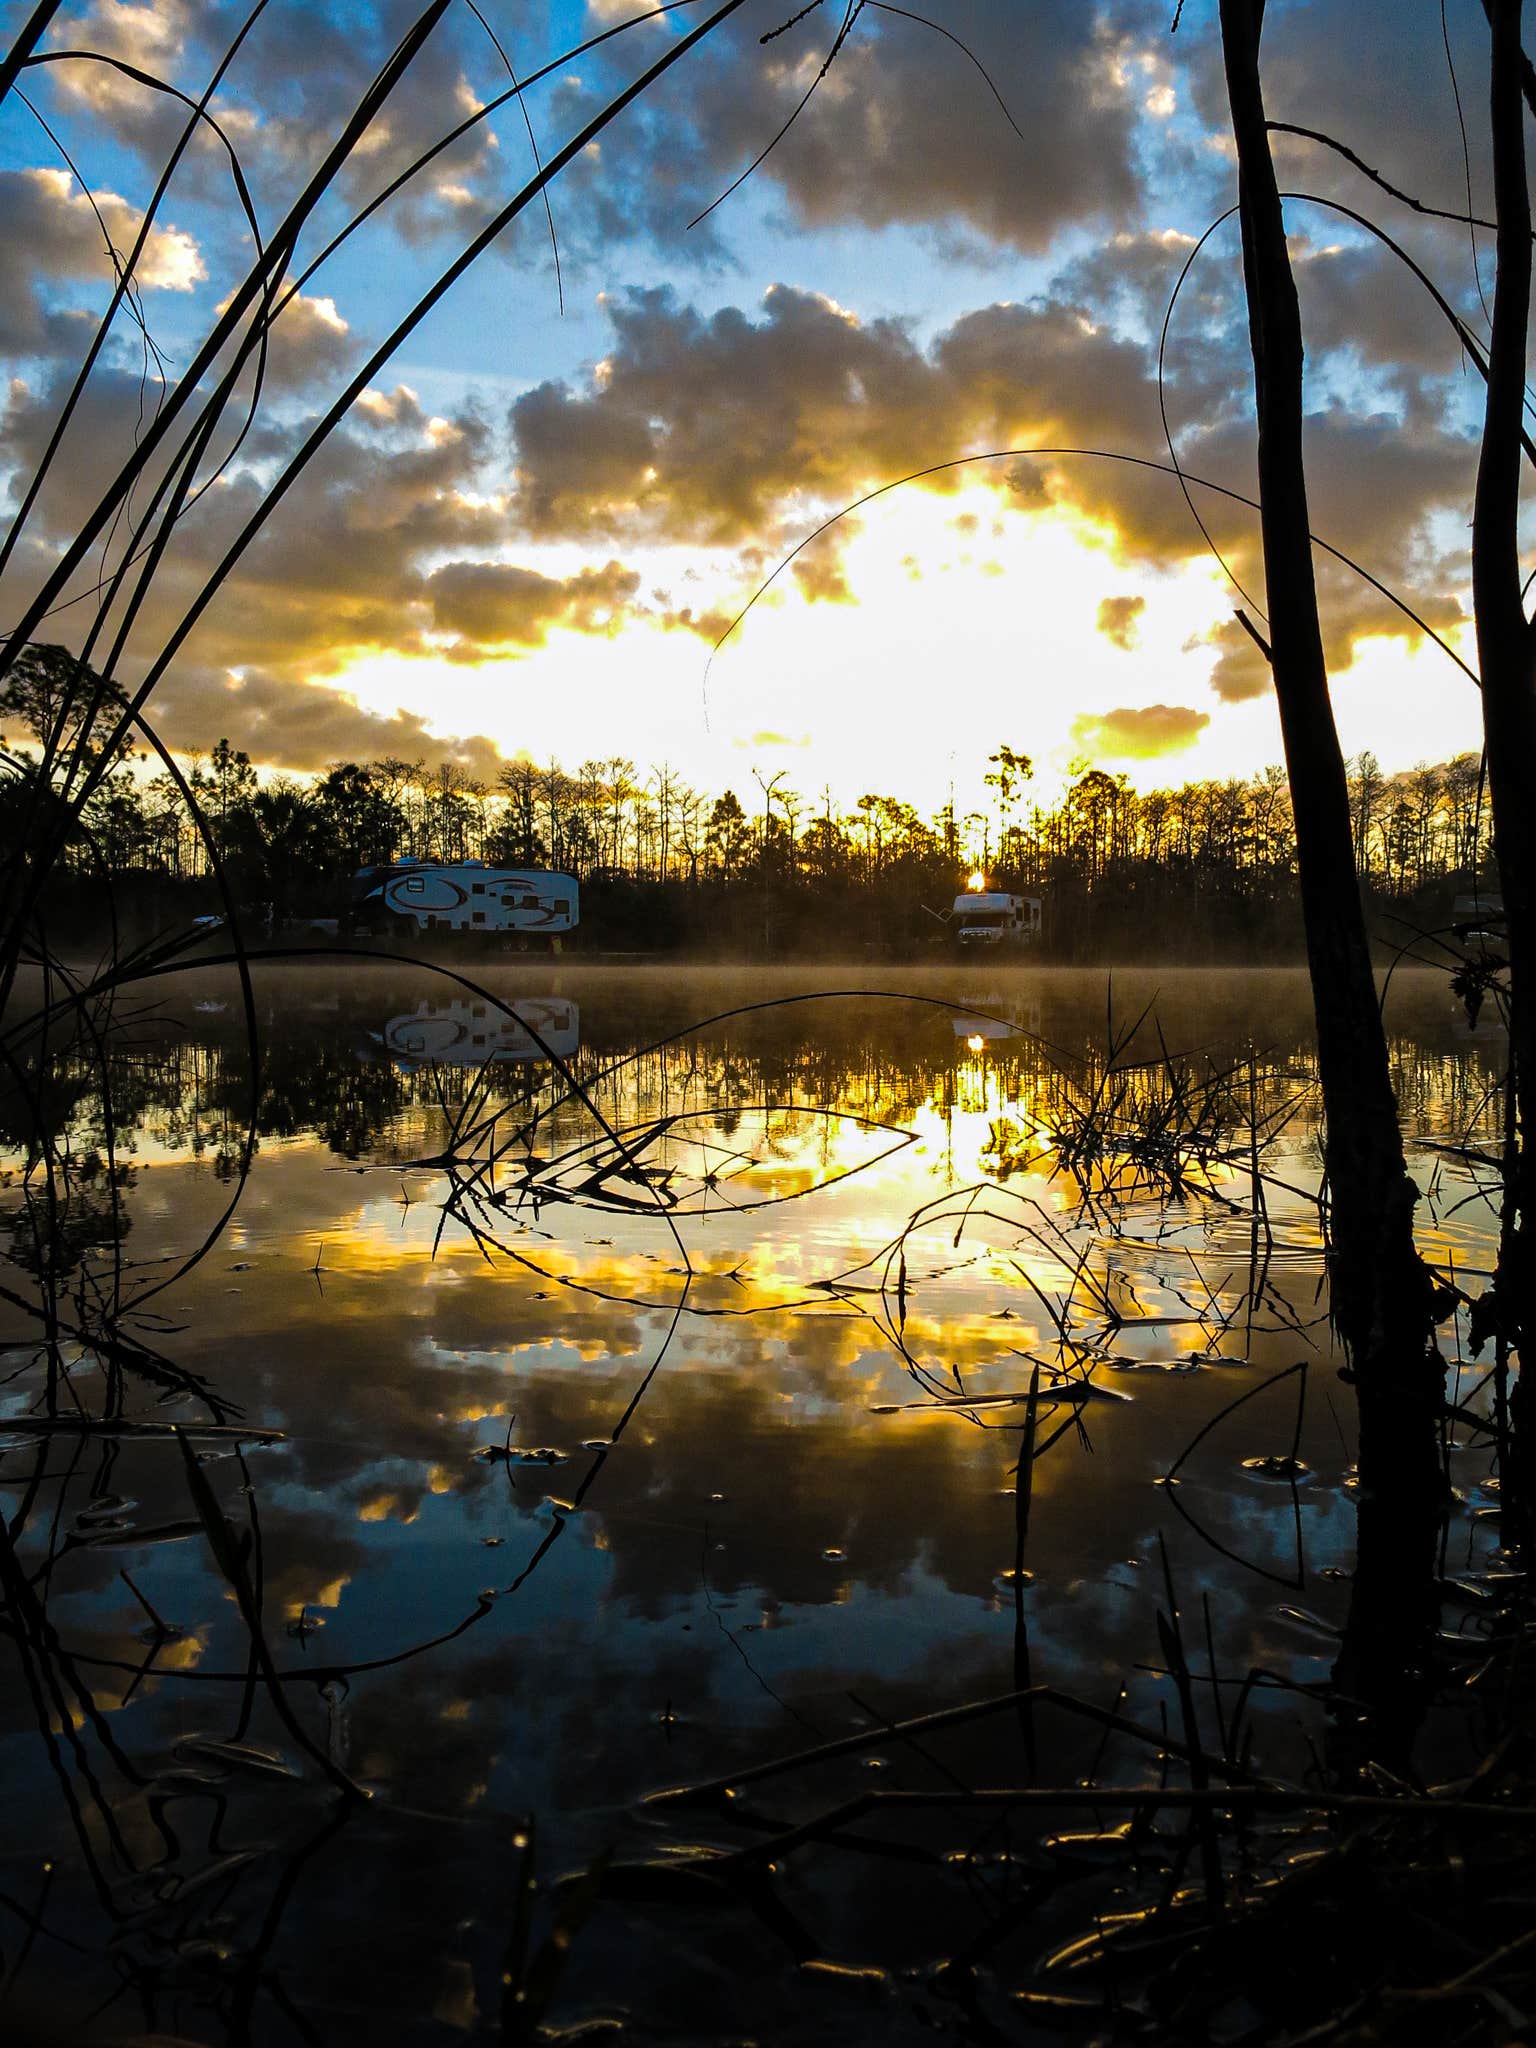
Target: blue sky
(529, 534)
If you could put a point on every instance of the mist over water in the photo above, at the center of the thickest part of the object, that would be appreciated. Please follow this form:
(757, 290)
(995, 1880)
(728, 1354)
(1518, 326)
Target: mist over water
(637, 1418)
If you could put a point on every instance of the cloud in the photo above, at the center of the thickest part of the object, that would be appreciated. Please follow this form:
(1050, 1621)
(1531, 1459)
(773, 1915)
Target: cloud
(905, 127)
(303, 726)
(388, 543)
(1381, 85)
(1139, 733)
(731, 430)
(1351, 613)
(343, 571)
(819, 573)
(698, 427)
(710, 626)
(50, 236)
(717, 428)
(1117, 617)
(1241, 672)
(1132, 275)
(342, 566)
(310, 342)
(294, 83)
(499, 605)
(973, 127)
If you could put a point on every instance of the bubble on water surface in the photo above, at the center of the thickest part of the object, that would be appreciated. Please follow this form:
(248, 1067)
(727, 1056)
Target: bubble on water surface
(519, 1454)
(1278, 1465)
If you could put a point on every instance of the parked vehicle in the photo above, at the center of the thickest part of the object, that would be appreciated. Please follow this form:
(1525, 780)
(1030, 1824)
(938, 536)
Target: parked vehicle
(986, 917)
(412, 897)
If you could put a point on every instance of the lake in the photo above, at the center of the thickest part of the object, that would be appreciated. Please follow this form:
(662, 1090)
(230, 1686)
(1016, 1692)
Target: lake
(622, 1395)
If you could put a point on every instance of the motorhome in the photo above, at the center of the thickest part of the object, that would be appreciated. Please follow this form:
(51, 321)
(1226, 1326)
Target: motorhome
(987, 917)
(520, 904)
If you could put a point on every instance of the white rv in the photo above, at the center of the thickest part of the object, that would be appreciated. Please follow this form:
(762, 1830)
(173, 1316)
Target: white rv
(989, 918)
(464, 896)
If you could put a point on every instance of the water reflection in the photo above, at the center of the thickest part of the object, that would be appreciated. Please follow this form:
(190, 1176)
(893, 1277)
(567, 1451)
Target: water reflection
(470, 1032)
(572, 1458)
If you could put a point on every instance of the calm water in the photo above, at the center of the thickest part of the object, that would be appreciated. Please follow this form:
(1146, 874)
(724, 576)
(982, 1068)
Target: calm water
(635, 1423)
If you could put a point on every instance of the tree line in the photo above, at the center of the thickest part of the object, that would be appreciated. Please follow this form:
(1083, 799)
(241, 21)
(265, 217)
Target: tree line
(1204, 869)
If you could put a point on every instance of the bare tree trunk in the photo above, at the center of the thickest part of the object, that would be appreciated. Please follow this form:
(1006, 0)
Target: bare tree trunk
(1506, 647)
(1382, 1298)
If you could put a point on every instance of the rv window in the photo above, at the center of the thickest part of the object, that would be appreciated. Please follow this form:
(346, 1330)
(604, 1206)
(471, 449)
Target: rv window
(477, 888)
(562, 906)
(414, 884)
(479, 917)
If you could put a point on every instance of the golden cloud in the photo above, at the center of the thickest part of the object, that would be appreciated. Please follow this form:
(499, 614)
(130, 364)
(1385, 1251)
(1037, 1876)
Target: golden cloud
(1139, 733)
(1117, 617)
(500, 605)
(734, 432)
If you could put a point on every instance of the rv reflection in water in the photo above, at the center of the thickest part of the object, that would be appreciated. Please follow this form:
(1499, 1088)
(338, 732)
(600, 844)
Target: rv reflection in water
(469, 1033)
(999, 1016)
(979, 1029)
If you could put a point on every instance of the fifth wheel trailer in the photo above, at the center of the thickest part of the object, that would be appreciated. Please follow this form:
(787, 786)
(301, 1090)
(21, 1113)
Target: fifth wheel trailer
(464, 896)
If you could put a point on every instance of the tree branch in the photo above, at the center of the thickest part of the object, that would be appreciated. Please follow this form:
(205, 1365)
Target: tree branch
(1392, 191)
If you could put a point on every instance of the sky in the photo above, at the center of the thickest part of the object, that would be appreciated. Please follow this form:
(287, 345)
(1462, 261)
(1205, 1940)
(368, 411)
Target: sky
(632, 487)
